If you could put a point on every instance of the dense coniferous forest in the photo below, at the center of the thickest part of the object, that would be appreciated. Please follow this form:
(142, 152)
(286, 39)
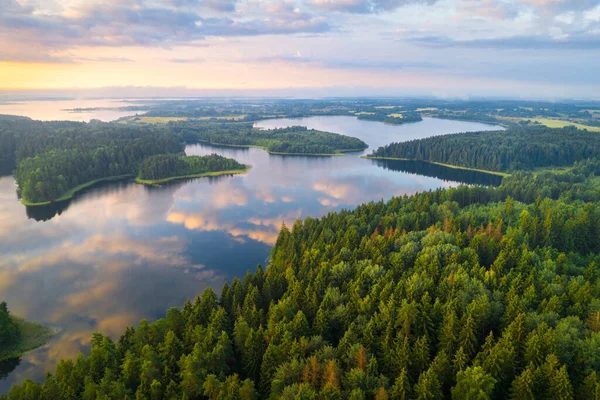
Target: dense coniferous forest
(9, 330)
(75, 156)
(518, 148)
(462, 293)
(294, 140)
(51, 159)
(171, 165)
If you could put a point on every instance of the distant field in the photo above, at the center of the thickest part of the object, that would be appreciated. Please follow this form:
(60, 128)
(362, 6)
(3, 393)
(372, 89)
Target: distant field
(554, 123)
(396, 115)
(558, 123)
(427, 109)
(364, 113)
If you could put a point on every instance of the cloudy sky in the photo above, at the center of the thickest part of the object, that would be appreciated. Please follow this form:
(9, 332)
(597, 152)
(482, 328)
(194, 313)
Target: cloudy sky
(514, 48)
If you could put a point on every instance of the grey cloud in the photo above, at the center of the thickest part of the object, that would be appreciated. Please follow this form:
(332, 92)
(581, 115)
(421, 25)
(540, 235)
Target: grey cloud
(115, 24)
(365, 6)
(561, 6)
(23, 57)
(572, 42)
(220, 5)
(353, 64)
(187, 60)
(215, 5)
(106, 59)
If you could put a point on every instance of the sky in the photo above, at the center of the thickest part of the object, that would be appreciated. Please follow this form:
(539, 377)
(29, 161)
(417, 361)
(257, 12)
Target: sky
(445, 48)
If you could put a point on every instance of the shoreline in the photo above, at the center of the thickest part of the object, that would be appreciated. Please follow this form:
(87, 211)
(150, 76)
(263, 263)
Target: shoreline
(497, 173)
(155, 182)
(278, 153)
(69, 195)
(34, 336)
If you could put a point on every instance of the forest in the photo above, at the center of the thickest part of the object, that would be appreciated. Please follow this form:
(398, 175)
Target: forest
(293, 140)
(10, 333)
(517, 148)
(463, 293)
(52, 160)
(383, 115)
(164, 166)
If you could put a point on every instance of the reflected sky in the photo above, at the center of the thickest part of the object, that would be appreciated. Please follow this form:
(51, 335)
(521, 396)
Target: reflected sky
(120, 252)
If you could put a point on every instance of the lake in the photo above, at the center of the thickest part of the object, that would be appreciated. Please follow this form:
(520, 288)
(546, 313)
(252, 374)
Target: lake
(62, 110)
(120, 251)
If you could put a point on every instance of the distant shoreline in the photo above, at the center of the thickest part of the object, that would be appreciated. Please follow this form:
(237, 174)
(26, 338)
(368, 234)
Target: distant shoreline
(502, 174)
(279, 153)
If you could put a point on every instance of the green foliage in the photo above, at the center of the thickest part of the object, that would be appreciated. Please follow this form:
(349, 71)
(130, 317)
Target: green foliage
(295, 139)
(170, 165)
(383, 115)
(9, 331)
(54, 158)
(518, 148)
(18, 336)
(463, 293)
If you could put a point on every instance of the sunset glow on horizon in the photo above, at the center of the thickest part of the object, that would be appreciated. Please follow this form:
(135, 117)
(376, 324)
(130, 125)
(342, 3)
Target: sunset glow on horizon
(524, 47)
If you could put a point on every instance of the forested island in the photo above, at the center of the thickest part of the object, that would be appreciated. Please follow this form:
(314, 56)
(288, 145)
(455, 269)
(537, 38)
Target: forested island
(472, 292)
(18, 336)
(517, 148)
(167, 167)
(291, 140)
(384, 115)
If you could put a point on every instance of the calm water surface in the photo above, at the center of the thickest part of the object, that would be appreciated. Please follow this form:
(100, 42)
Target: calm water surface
(120, 251)
(59, 110)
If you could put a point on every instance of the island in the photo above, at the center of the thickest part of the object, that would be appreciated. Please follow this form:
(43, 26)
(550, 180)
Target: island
(18, 336)
(167, 167)
(394, 118)
(293, 140)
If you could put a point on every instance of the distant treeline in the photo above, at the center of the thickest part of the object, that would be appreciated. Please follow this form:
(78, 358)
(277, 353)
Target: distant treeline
(518, 148)
(383, 115)
(171, 165)
(295, 139)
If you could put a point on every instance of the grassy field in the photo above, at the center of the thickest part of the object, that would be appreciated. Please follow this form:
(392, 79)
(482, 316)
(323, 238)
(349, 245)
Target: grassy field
(553, 123)
(396, 115)
(33, 335)
(68, 195)
(554, 170)
(427, 109)
(558, 123)
(155, 182)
